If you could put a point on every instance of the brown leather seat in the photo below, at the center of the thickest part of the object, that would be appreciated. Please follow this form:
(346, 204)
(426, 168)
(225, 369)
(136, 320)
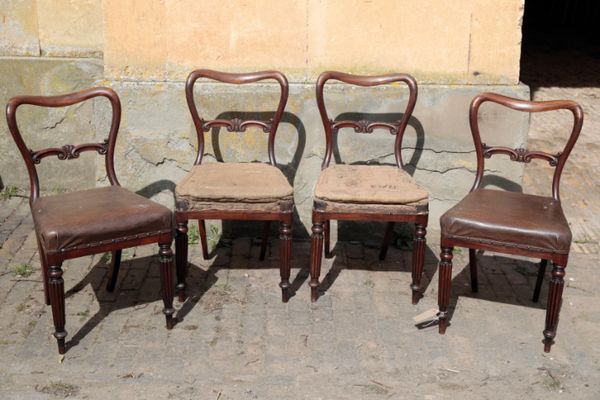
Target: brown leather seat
(509, 219)
(93, 217)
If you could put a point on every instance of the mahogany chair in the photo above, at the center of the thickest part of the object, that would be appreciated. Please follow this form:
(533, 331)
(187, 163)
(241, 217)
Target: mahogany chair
(367, 193)
(508, 222)
(89, 221)
(235, 191)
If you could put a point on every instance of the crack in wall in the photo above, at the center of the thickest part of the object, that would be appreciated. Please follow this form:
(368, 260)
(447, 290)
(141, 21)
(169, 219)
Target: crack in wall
(60, 121)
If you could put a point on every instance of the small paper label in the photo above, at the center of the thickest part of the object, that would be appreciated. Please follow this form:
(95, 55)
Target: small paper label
(429, 315)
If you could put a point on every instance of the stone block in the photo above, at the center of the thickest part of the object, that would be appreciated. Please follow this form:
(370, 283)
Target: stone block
(71, 28)
(19, 28)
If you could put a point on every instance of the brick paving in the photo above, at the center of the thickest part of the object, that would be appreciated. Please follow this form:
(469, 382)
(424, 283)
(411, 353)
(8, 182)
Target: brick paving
(236, 340)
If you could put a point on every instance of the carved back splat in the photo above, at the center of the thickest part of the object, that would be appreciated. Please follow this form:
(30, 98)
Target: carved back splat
(236, 124)
(69, 151)
(362, 126)
(557, 160)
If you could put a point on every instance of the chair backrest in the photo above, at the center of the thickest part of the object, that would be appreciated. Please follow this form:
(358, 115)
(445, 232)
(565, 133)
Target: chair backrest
(557, 160)
(68, 151)
(395, 128)
(236, 124)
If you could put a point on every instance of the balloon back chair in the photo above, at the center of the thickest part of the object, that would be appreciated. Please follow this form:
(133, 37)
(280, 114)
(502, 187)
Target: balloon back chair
(91, 221)
(365, 192)
(235, 191)
(509, 222)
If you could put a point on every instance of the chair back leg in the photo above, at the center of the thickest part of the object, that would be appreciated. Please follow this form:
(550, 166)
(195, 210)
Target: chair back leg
(418, 261)
(316, 252)
(327, 238)
(181, 257)
(114, 271)
(203, 243)
(45, 277)
(473, 268)
(539, 280)
(285, 238)
(265, 240)
(387, 238)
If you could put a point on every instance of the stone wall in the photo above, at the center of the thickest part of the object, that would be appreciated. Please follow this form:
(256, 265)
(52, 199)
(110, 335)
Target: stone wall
(145, 49)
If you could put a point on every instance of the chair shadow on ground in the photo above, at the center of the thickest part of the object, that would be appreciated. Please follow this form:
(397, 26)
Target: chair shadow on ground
(200, 281)
(138, 284)
(371, 262)
(494, 285)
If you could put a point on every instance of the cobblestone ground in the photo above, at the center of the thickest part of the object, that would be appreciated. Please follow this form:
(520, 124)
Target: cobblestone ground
(236, 340)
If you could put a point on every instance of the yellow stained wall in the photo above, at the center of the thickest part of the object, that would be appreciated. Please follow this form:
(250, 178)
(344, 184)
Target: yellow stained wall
(439, 41)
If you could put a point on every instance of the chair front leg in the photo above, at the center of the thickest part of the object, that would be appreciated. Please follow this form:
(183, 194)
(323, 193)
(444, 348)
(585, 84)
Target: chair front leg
(554, 303)
(316, 251)
(181, 257)
(166, 277)
(285, 238)
(445, 284)
(56, 290)
(418, 261)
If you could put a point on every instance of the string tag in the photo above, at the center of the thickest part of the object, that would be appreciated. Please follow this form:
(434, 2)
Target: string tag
(427, 318)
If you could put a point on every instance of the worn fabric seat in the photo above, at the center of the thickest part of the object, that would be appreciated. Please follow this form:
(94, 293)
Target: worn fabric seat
(227, 185)
(516, 220)
(361, 187)
(93, 217)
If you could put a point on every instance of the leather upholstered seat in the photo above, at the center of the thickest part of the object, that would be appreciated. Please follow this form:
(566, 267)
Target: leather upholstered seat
(509, 219)
(93, 217)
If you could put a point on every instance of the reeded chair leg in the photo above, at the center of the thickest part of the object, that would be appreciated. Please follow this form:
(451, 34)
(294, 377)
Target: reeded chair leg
(554, 303)
(445, 284)
(181, 257)
(57, 300)
(539, 280)
(166, 278)
(285, 238)
(265, 240)
(418, 261)
(473, 268)
(389, 232)
(115, 265)
(316, 251)
(327, 237)
(203, 243)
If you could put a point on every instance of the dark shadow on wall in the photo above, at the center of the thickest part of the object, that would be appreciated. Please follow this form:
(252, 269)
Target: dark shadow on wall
(500, 182)
(289, 169)
(158, 187)
(413, 122)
